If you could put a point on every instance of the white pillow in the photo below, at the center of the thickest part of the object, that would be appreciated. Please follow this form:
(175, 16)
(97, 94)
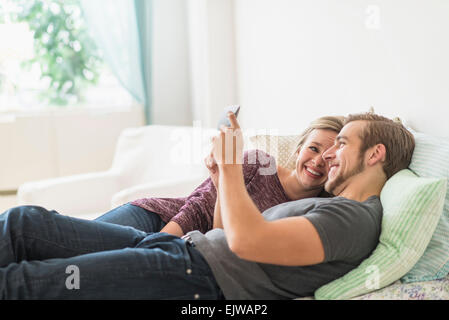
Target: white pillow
(281, 147)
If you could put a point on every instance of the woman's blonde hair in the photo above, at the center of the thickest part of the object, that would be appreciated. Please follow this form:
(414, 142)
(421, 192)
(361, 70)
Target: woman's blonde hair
(334, 123)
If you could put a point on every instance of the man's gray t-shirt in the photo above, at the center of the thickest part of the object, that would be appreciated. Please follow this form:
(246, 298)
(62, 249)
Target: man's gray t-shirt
(349, 231)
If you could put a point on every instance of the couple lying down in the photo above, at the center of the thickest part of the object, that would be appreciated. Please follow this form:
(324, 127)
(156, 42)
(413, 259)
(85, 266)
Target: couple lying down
(240, 235)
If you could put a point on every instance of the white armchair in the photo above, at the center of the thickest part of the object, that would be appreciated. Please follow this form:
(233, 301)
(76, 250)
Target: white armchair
(155, 160)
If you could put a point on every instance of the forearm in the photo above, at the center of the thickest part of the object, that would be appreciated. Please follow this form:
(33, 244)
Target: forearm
(217, 214)
(197, 211)
(240, 216)
(173, 228)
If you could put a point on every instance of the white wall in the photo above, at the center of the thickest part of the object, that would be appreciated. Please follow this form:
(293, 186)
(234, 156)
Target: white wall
(212, 58)
(171, 97)
(298, 60)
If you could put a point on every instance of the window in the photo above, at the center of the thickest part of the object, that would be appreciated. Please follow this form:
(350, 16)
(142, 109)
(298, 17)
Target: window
(48, 59)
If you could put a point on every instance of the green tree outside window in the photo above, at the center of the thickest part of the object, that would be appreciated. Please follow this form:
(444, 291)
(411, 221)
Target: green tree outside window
(67, 56)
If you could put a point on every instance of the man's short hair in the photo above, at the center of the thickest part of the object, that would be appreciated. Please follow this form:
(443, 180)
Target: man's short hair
(398, 141)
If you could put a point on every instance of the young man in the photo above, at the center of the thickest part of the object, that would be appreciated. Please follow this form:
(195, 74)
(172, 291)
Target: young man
(289, 251)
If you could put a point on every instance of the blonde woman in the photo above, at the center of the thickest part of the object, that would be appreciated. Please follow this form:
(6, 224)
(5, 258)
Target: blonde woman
(178, 216)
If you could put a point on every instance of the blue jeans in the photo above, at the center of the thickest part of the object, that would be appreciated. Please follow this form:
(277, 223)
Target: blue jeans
(134, 216)
(45, 255)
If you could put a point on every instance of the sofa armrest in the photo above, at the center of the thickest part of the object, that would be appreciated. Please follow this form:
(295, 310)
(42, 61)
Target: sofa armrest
(75, 195)
(172, 188)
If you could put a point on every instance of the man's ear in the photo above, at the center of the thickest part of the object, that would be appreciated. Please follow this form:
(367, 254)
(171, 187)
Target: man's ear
(377, 154)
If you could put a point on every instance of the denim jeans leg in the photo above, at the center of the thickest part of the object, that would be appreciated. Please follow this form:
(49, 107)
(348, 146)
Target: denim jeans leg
(134, 216)
(159, 267)
(34, 233)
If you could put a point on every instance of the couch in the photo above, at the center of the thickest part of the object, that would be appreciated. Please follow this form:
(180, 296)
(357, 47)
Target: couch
(167, 161)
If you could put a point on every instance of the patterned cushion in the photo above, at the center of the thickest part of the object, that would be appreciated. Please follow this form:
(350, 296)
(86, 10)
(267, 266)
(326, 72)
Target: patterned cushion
(412, 207)
(430, 159)
(280, 147)
(423, 290)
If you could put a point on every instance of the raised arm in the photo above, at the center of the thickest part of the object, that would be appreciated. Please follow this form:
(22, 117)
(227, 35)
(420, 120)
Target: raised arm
(289, 241)
(213, 172)
(218, 223)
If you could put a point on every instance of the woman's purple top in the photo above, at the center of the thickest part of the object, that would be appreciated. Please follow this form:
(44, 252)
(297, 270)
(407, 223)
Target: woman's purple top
(196, 211)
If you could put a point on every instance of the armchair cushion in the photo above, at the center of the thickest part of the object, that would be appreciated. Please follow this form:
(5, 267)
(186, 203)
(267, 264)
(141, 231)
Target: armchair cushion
(76, 195)
(170, 188)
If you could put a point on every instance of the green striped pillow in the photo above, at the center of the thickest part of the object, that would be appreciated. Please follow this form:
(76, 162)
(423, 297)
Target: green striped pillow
(412, 207)
(430, 159)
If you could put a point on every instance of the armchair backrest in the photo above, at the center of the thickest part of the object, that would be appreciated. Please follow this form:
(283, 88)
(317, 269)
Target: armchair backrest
(158, 152)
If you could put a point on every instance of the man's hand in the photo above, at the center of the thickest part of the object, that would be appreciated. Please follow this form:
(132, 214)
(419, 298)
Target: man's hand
(227, 146)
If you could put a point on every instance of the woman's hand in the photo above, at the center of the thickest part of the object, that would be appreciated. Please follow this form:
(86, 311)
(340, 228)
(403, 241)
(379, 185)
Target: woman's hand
(212, 166)
(227, 146)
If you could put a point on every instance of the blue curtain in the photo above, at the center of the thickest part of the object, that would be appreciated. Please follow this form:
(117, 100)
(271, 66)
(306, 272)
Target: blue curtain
(122, 29)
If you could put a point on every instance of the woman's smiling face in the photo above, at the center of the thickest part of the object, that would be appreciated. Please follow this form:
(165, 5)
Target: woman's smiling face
(311, 169)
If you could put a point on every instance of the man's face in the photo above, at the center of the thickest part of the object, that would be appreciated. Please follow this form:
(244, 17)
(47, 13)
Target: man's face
(345, 159)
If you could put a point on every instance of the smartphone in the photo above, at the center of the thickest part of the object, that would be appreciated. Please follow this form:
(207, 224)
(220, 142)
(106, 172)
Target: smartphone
(224, 120)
